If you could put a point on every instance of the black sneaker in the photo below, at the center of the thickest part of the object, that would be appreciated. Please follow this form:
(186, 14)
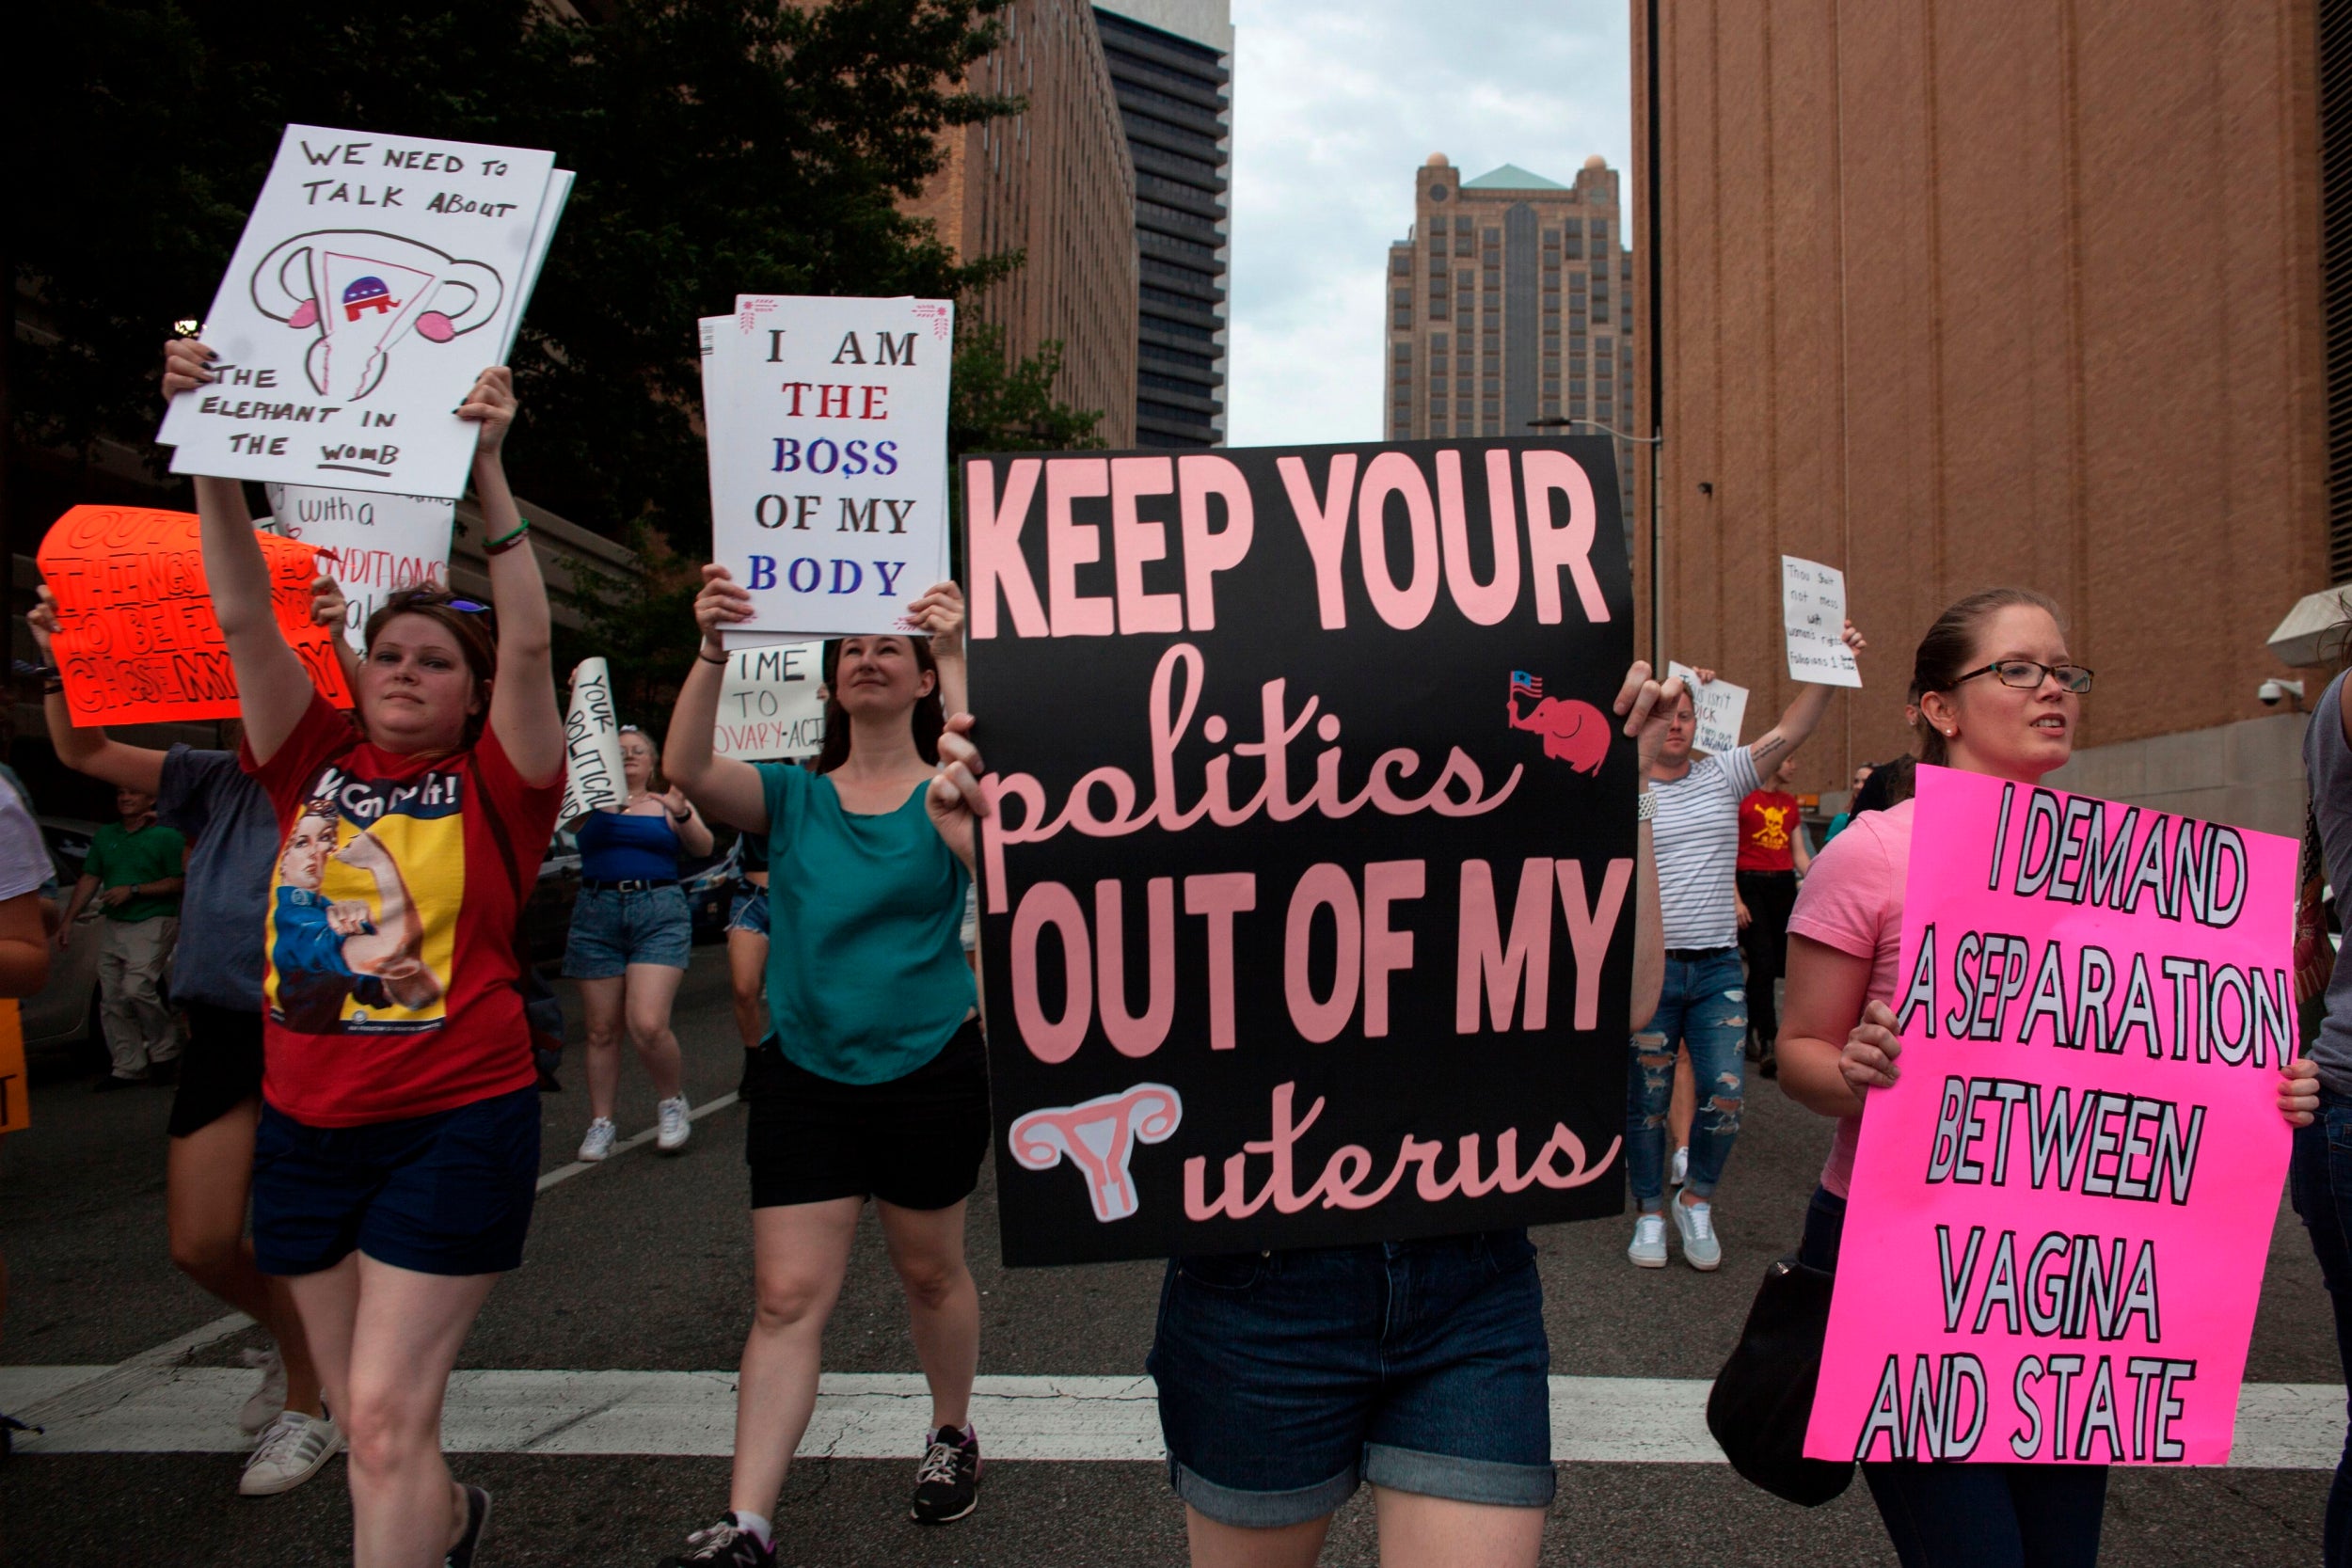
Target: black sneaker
(725, 1545)
(477, 1516)
(164, 1074)
(948, 1482)
(112, 1081)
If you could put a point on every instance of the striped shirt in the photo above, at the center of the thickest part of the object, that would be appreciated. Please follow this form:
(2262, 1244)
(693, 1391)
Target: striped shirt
(1697, 836)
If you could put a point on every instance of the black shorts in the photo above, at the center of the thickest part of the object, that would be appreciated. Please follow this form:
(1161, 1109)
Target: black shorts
(915, 1141)
(220, 1070)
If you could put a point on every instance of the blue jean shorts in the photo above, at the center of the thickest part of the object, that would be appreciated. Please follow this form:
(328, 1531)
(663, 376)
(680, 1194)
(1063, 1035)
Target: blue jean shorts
(749, 912)
(611, 931)
(1288, 1379)
(448, 1193)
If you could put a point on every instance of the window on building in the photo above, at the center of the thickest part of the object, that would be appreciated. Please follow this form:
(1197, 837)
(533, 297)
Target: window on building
(1462, 243)
(1576, 409)
(1551, 363)
(1494, 239)
(1437, 366)
(1462, 408)
(1401, 263)
(1404, 318)
(1437, 310)
(1491, 385)
(1576, 386)
(1404, 297)
(1576, 248)
(1600, 229)
(1492, 411)
(1401, 353)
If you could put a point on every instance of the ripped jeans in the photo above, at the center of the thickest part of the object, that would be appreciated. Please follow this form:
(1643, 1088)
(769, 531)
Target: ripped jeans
(1704, 1006)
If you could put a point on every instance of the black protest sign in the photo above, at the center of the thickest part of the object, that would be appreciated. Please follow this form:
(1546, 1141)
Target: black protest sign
(1307, 907)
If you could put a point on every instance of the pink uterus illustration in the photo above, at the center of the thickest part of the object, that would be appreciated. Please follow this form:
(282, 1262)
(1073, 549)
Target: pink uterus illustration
(1099, 1138)
(361, 293)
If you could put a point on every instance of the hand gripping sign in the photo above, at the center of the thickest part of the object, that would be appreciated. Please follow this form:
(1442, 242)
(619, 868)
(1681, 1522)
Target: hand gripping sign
(2061, 1210)
(1293, 936)
(137, 642)
(592, 744)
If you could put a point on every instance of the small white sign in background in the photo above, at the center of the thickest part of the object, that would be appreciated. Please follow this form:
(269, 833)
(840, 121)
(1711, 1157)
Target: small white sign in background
(377, 275)
(592, 744)
(1813, 611)
(769, 707)
(1718, 706)
(372, 545)
(827, 422)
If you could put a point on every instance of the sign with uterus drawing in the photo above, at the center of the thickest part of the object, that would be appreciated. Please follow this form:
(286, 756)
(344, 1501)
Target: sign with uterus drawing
(376, 277)
(1307, 900)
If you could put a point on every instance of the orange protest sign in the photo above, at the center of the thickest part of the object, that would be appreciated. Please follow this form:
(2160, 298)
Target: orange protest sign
(136, 638)
(16, 1102)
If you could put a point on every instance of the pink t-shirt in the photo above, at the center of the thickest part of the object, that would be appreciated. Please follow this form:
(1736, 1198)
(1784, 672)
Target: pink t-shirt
(1853, 900)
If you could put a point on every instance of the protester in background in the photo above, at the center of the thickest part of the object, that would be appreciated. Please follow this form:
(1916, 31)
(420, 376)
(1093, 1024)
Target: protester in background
(631, 937)
(873, 1083)
(747, 949)
(2001, 697)
(1889, 785)
(1704, 1005)
(398, 1155)
(142, 865)
(2320, 1173)
(216, 978)
(1288, 1379)
(1772, 855)
(1861, 777)
(25, 866)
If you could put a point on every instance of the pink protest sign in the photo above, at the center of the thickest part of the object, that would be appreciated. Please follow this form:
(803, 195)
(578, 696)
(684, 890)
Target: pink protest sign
(2059, 1214)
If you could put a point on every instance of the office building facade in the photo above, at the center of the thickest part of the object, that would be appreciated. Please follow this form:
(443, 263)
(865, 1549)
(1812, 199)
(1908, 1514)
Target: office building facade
(1170, 64)
(1510, 301)
(2004, 294)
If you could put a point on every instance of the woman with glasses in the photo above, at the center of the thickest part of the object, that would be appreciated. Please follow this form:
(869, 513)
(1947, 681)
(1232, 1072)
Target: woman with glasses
(398, 1150)
(631, 939)
(1997, 695)
(873, 1083)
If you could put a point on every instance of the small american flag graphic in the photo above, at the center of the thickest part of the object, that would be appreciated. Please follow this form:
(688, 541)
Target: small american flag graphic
(1525, 685)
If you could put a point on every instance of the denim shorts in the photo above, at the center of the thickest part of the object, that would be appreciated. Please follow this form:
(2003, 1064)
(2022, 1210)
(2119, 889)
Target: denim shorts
(749, 912)
(448, 1193)
(611, 931)
(1288, 1379)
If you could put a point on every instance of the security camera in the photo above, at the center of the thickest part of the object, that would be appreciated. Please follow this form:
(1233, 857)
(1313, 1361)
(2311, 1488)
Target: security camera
(2273, 693)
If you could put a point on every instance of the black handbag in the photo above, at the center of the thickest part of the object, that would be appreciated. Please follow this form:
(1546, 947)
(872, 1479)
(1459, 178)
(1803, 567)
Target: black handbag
(1763, 1397)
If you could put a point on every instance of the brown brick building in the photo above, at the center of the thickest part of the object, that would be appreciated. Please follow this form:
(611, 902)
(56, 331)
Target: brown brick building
(1057, 182)
(2004, 292)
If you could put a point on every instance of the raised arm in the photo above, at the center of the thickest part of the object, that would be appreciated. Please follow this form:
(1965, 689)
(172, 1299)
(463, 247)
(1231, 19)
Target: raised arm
(24, 946)
(727, 788)
(89, 751)
(523, 710)
(273, 688)
(329, 609)
(1798, 720)
(940, 611)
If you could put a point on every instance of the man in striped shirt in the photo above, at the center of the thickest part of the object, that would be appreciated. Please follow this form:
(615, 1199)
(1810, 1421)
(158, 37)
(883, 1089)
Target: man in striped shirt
(1705, 1002)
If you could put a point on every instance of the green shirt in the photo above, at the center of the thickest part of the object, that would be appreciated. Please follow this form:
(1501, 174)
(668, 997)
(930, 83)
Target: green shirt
(120, 858)
(866, 979)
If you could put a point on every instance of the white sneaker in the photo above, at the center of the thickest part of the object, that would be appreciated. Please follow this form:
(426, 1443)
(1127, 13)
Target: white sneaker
(676, 1129)
(265, 1402)
(1682, 1164)
(1696, 1224)
(288, 1453)
(1648, 1247)
(598, 1143)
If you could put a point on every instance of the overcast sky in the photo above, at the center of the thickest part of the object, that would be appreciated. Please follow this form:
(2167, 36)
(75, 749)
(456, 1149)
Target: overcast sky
(1334, 106)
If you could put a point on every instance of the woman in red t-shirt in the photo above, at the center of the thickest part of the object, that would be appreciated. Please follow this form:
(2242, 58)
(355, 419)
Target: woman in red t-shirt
(398, 1152)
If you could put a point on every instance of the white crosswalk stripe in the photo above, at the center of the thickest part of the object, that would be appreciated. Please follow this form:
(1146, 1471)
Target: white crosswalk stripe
(1621, 1420)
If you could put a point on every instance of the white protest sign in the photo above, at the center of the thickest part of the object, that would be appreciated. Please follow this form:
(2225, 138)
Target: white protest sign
(768, 707)
(375, 276)
(372, 545)
(592, 744)
(827, 422)
(1813, 611)
(1718, 706)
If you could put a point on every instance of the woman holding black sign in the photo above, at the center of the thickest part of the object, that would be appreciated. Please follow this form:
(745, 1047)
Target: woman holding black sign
(1998, 695)
(873, 1082)
(1288, 1379)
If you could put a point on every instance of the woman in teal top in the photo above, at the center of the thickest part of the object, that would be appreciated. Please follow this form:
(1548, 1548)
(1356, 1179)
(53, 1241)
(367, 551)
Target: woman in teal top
(872, 1082)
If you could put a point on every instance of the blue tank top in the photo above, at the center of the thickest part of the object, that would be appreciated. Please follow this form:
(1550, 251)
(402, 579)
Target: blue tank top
(617, 847)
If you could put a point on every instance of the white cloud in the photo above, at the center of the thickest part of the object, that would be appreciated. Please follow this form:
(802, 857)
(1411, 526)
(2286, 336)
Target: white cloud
(1335, 105)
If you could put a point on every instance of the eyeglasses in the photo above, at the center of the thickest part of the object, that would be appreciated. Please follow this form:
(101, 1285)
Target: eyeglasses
(2027, 674)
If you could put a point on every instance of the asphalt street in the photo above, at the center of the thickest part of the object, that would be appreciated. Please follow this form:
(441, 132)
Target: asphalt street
(645, 1264)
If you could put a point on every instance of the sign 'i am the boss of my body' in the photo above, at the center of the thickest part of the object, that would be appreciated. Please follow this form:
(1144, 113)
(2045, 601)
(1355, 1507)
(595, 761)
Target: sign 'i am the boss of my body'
(1307, 896)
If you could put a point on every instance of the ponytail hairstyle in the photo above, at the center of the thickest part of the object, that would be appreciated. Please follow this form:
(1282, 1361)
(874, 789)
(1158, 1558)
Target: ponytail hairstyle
(1950, 651)
(929, 720)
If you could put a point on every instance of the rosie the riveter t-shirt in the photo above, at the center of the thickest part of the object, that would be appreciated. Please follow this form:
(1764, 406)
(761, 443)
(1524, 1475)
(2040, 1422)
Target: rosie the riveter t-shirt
(390, 936)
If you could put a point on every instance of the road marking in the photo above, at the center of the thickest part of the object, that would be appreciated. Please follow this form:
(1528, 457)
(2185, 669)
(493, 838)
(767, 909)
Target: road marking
(1607, 1420)
(102, 1388)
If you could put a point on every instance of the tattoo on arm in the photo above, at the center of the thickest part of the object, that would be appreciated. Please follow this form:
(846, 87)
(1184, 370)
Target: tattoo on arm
(1764, 751)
